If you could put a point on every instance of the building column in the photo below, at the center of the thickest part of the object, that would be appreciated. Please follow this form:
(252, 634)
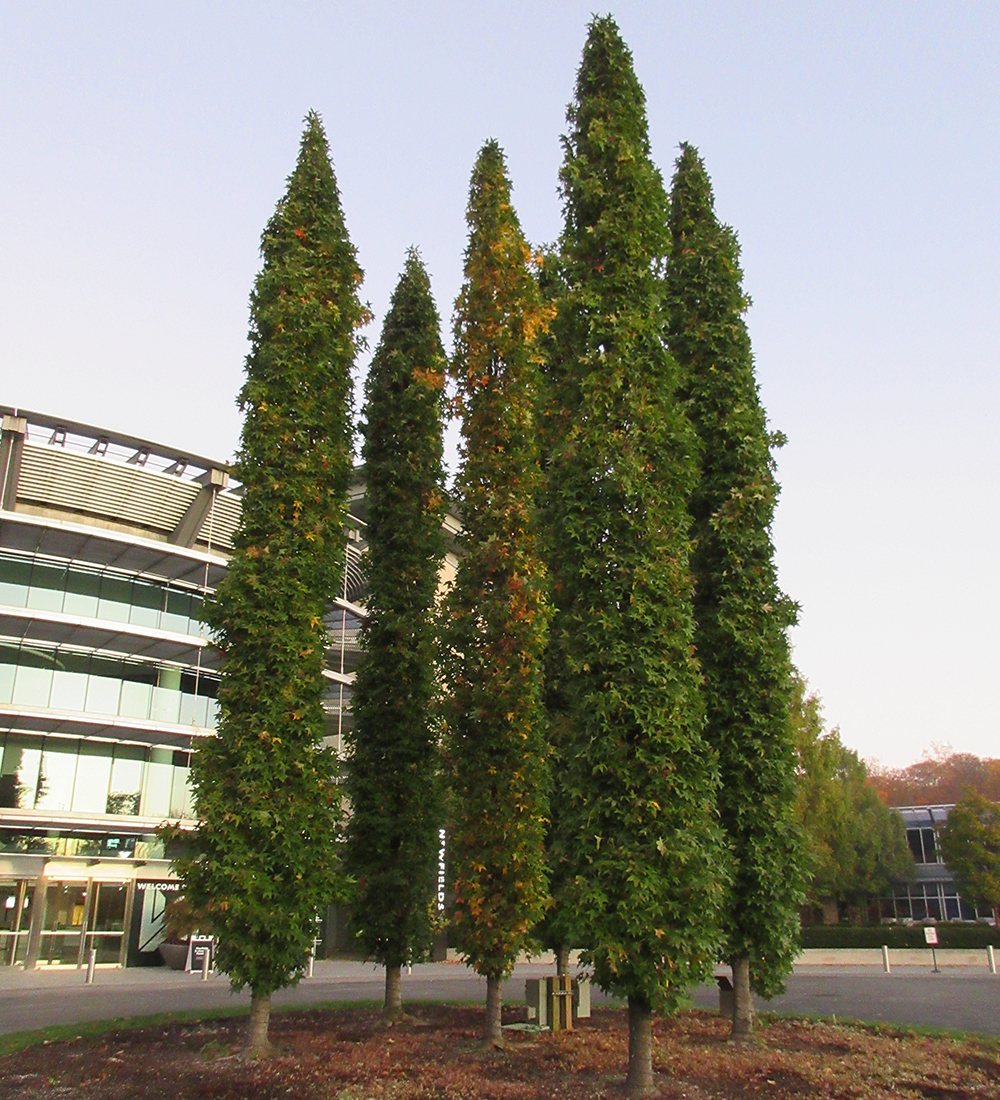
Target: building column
(15, 428)
(35, 927)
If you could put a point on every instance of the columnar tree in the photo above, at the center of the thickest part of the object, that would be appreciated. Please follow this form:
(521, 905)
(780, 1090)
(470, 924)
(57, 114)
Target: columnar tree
(742, 615)
(264, 855)
(641, 777)
(497, 612)
(394, 768)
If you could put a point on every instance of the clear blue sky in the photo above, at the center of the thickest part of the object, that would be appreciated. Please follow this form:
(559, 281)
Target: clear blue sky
(853, 147)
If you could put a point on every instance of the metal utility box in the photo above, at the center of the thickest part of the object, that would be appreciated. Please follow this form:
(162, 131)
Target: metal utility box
(554, 1002)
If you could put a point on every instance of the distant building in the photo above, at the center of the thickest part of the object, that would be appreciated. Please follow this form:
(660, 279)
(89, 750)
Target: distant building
(109, 546)
(932, 894)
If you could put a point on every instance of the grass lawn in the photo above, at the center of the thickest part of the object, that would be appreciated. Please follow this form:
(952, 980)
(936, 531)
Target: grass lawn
(344, 1054)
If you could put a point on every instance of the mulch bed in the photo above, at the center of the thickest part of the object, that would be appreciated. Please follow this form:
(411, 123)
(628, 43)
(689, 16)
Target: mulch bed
(346, 1055)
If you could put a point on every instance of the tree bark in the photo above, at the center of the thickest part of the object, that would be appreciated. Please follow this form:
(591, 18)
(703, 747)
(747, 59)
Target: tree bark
(639, 1081)
(742, 1001)
(492, 1032)
(392, 1007)
(258, 1045)
(562, 961)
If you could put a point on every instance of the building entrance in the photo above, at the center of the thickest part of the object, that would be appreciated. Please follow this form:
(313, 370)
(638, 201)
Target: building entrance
(79, 916)
(15, 920)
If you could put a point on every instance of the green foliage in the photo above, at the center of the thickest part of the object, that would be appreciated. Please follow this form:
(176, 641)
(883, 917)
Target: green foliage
(970, 844)
(950, 935)
(497, 613)
(856, 846)
(264, 857)
(638, 776)
(741, 613)
(393, 774)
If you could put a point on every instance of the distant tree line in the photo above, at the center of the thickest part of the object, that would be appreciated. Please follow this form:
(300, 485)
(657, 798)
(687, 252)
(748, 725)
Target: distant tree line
(941, 779)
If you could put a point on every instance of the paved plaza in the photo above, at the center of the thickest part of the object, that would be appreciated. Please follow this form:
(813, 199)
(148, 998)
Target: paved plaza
(963, 997)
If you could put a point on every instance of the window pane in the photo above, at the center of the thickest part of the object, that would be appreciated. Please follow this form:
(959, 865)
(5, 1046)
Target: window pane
(166, 705)
(930, 855)
(15, 577)
(22, 757)
(103, 695)
(82, 591)
(181, 608)
(181, 799)
(126, 780)
(48, 583)
(913, 839)
(136, 696)
(116, 599)
(69, 681)
(8, 666)
(147, 603)
(55, 779)
(159, 778)
(108, 909)
(93, 773)
(33, 681)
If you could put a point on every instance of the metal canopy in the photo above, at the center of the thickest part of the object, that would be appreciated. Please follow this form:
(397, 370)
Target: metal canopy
(31, 625)
(77, 542)
(136, 731)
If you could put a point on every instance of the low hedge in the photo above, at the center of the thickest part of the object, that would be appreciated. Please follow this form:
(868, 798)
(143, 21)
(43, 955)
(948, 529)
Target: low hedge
(969, 936)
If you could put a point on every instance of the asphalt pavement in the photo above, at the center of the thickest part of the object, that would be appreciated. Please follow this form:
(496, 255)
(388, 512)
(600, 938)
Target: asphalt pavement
(963, 998)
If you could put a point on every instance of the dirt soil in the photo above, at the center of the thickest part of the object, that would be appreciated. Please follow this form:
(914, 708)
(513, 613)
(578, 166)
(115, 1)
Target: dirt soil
(346, 1055)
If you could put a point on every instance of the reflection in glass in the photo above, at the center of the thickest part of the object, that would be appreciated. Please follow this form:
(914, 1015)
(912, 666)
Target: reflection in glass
(22, 757)
(126, 780)
(56, 775)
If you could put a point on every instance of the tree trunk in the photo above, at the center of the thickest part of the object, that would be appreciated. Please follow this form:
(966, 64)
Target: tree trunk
(639, 1081)
(392, 1008)
(260, 1016)
(562, 961)
(492, 1032)
(742, 1001)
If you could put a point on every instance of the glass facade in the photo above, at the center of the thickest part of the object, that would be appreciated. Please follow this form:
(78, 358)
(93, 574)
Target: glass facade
(79, 795)
(93, 777)
(92, 683)
(75, 589)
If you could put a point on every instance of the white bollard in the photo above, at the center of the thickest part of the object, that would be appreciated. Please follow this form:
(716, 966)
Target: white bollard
(205, 960)
(312, 960)
(91, 965)
(885, 958)
(992, 959)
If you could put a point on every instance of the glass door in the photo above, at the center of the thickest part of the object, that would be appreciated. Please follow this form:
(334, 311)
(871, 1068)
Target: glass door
(62, 926)
(106, 927)
(15, 919)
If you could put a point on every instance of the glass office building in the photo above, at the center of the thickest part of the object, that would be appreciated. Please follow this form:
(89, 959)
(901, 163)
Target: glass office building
(109, 546)
(932, 893)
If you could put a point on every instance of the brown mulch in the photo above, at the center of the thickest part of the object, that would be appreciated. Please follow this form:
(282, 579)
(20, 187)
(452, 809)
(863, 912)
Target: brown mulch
(346, 1055)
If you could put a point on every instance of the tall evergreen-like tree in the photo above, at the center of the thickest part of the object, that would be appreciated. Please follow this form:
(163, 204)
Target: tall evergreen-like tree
(497, 613)
(264, 857)
(641, 778)
(394, 768)
(742, 615)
